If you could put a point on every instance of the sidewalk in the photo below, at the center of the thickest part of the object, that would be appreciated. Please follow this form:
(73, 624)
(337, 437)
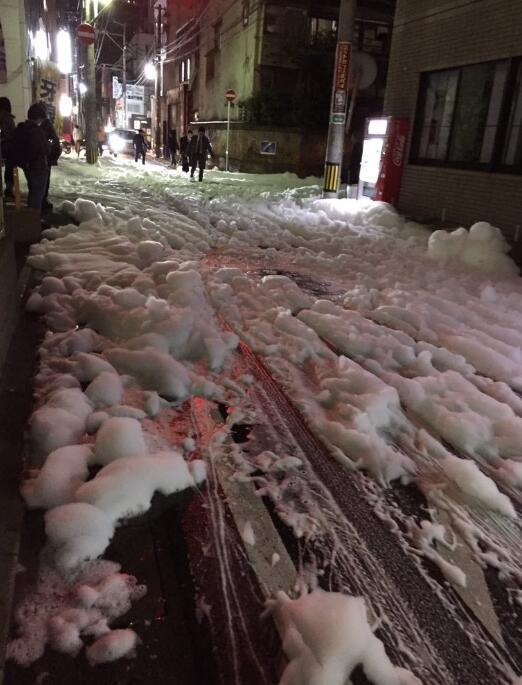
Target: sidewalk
(175, 651)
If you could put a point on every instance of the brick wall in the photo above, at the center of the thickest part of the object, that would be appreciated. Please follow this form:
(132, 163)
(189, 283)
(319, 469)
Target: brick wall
(435, 34)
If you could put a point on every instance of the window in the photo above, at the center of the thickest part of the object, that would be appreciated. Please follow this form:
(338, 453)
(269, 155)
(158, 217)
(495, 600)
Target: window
(211, 66)
(512, 152)
(273, 19)
(477, 111)
(437, 112)
(321, 28)
(246, 12)
(470, 117)
(185, 70)
(217, 35)
(284, 21)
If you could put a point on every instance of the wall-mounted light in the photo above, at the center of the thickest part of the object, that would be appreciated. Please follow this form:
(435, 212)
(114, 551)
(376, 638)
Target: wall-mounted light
(82, 88)
(41, 44)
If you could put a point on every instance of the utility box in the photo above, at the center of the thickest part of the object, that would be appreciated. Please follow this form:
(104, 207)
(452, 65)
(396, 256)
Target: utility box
(382, 160)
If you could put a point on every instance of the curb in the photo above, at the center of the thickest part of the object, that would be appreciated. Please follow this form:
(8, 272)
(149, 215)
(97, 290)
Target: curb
(10, 503)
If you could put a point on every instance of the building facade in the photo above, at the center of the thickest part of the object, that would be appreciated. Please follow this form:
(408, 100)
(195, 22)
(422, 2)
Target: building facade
(15, 81)
(456, 73)
(278, 58)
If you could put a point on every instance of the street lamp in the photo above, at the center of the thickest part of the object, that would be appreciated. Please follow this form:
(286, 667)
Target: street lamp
(149, 71)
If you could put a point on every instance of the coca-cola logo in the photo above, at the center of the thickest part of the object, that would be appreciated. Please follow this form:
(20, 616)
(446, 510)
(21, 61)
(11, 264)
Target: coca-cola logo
(398, 150)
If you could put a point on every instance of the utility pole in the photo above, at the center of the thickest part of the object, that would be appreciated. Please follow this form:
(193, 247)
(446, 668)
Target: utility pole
(339, 102)
(124, 76)
(157, 132)
(91, 143)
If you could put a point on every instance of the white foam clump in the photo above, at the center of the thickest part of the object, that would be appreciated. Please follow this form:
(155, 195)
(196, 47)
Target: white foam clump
(149, 251)
(60, 421)
(269, 461)
(105, 390)
(112, 646)
(477, 486)
(78, 532)
(118, 438)
(248, 535)
(326, 635)
(483, 246)
(125, 487)
(83, 340)
(64, 471)
(425, 535)
(87, 366)
(154, 371)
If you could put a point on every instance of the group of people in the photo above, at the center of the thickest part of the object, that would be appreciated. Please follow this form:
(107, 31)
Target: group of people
(193, 151)
(32, 146)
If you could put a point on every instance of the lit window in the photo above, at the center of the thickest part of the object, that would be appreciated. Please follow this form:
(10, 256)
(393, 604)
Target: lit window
(321, 29)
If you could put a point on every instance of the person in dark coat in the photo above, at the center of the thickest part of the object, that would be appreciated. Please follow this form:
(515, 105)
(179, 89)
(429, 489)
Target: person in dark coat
(31, 150)
(199, 149)
(54, 154)
(7, 129)
(140, 146)
(173, 147)
(183, 150)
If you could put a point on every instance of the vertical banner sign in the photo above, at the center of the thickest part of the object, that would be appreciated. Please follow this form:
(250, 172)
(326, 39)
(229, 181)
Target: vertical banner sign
(392, 161)
(47, 90)
(338, 108)
(340, 92)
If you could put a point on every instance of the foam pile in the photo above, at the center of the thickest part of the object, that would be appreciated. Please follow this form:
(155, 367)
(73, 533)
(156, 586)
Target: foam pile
(482, 247)
(326, 635)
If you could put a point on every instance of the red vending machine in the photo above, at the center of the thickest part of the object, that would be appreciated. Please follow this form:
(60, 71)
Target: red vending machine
(382, 160)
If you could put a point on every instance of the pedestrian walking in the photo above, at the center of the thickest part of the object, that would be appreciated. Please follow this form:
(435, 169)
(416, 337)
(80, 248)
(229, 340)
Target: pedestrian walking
(100, 137)
(31, 151)
(199, 149)
(55, 150)
(77, 139)
(140, 146)
(173, 146)
(184, 150)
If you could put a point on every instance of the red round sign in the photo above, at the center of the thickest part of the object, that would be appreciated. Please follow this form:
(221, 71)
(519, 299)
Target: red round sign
(85, 33)
(230, 95)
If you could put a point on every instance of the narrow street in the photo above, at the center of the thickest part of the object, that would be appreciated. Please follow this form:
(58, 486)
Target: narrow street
(341, 410)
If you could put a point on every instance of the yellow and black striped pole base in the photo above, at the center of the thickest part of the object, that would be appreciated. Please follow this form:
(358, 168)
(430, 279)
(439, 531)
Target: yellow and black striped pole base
(331, 180)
